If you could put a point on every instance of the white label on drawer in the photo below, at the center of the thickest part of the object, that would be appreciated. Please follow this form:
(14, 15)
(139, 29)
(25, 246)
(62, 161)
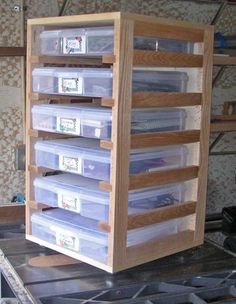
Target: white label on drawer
(74, 45)
(97, 132)
(66, 239)
(68, 125)
(70, 85)
(72, 164)
(68, 200)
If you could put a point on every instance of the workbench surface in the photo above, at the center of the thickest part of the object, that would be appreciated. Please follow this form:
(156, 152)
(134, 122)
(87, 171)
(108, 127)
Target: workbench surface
(51, 284)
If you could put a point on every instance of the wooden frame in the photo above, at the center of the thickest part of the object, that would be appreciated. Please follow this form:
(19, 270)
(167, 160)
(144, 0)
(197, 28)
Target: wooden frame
(197, 103)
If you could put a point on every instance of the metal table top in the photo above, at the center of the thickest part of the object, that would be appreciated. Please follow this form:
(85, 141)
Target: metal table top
(40, 284)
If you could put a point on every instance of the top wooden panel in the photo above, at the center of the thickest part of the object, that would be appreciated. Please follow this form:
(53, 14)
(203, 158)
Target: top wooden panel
(192, 31)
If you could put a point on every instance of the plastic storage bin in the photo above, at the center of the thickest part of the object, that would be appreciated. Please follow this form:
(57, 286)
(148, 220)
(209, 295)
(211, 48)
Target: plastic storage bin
(76, 233)
(159, 81)
(100, 40)
(73, 81)
(98, 82)
(82, 195)
(93, 121)
(84, 156)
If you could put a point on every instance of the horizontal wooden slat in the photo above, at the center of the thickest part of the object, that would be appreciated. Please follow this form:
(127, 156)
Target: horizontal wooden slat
(224, 60)
(158, 178)
(107, 59)
(36, 206)
(155, 99)
(223, 126)
(12, 51)
(106, 186)
(230, 117)
(61, 98)
(160, 215)
(107, 102)
(38, 170)
(166, 31)
(166, 59)
(106, 144)
(157, 248)
(162, 177)
(37, 134)
(164, 138)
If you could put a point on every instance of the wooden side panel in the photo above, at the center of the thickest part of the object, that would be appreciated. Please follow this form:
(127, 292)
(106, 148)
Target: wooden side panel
(164, 138)
(167, 31)
(29, 151)
(204, 135)
(160, 215)
(121, 121)
(162, 177)
(154, 99)
(156, 249)
(166, 59)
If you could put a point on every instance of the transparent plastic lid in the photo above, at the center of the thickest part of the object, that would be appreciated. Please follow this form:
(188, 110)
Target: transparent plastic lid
(90, 187)
(86, 228)
(93, 111)
(43, 72)
(90, 149)
(83, 72)
(155, 75)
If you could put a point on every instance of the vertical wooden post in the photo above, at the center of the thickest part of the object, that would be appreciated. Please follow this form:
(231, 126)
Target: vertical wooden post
(204, 133)
(121, 122)
(27, 126)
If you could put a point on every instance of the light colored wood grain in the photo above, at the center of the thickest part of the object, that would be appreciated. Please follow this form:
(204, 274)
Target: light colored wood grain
(172, 23)
(59, 98)
(69, 253)
(160, 215)
(167, 31)
(159, 248)
(107, 102)
(154, 99)
(105, 186)
(106, 144)
(12, 214)
(108, 59)
(121, 122)
(164, 138)
(205, 133)
(38, 170)
(37, 206)
(29, 145)
(44, 134)
(88, 19)
(224, 60)
(162, 177)
(166, 59)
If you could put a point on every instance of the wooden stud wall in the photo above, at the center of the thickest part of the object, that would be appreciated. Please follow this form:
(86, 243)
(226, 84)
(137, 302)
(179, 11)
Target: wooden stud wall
(196, 137)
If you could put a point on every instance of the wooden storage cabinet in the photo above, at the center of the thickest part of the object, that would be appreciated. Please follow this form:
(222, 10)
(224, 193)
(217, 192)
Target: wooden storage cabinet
(196, 101)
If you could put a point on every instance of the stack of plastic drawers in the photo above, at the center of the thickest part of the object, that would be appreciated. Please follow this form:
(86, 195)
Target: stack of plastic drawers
(78, 204)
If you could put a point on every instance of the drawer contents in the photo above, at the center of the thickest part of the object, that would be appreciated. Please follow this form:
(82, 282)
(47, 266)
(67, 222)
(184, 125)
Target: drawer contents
(82, 195)
(96, 41)
(97, 82)
(92, 121)
(79, 234)
(84, 157)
